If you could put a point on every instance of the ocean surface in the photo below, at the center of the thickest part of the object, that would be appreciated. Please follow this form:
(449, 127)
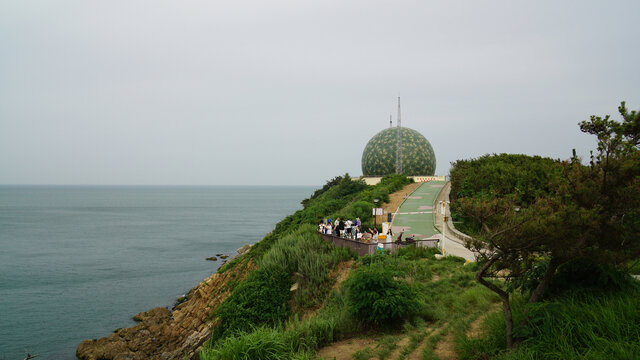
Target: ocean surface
(77, 262)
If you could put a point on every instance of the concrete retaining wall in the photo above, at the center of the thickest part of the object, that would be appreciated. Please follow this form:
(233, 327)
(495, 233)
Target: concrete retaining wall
(452, 232)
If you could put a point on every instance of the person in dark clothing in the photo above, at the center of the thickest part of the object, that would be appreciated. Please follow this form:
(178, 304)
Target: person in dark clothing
(341, 228)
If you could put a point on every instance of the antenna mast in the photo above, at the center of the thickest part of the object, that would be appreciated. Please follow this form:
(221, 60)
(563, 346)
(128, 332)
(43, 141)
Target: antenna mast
(399, 143)
(390, 121)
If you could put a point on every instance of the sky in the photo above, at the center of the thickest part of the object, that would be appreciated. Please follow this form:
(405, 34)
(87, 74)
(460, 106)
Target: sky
(289, 92)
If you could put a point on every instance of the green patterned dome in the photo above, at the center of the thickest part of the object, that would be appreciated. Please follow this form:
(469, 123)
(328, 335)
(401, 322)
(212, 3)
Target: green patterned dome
(379, 156)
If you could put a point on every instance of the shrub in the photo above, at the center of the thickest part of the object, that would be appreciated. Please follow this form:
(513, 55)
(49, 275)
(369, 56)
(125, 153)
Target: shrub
(585, 274)
(261, 299)
(374, 295)
(359, 209)
(417, 252)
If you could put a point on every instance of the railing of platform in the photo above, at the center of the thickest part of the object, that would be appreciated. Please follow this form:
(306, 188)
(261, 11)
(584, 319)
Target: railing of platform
(363, 248)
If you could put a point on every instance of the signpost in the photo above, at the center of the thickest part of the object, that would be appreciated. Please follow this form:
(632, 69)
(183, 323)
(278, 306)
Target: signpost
(375, 211)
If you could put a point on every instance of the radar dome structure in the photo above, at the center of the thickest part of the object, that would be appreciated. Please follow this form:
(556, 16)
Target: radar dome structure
(380, 154)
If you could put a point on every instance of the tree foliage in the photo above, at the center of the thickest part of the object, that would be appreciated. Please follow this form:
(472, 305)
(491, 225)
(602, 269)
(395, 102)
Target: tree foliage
(523, 211)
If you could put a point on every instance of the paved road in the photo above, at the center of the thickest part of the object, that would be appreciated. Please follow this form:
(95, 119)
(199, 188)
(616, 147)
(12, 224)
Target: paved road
(416, 215)
(456, 249)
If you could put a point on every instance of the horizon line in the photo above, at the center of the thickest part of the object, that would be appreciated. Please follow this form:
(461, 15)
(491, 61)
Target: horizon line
(161, 185)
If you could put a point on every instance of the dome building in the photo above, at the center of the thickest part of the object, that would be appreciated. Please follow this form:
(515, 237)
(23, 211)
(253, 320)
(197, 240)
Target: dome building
(398, 150)
(381, 152)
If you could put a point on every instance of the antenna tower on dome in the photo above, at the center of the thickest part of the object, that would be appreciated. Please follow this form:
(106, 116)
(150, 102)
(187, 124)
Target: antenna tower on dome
(399, 143)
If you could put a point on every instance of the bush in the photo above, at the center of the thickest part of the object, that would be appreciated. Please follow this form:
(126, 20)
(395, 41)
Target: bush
(359, 209)
(417, 252)
(261, 299)
(585, 274)
(376, 297)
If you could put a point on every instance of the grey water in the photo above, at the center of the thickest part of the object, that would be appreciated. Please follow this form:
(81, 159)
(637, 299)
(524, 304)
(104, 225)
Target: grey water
(77, 262)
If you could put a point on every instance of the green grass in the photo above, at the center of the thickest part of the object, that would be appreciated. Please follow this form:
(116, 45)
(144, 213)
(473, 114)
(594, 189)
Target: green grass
(363, 354)
(581, 325)
(576, 325)
(386, 345)
(262, 317)
(450, 298)
(343, 197)
(295, 339)
(305, 255)
(262, 297)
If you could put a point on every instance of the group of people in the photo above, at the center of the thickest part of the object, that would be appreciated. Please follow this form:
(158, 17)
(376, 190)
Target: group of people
(349, 229)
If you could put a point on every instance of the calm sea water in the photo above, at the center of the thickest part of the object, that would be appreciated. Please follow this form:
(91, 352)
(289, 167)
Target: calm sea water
(78, 262)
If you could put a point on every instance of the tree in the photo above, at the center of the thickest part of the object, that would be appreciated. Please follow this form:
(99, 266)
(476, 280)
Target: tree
(608, 189)
(510, 236)
(583, 211)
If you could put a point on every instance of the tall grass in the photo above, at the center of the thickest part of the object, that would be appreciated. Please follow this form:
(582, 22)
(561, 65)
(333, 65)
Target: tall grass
(295, 253)
(296, 339)
(262, 298)
(262, 343)
(595, 326)
(441, 305)
(306, 256)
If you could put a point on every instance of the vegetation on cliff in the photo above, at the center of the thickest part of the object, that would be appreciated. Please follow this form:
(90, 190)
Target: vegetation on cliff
(556, 239)
(534, 219)
(383, 295)
(340, 197)
(411, 295)
(295, 253)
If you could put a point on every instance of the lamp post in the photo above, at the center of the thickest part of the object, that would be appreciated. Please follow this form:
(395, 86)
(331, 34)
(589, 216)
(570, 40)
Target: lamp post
(375, 208)
(443, 210)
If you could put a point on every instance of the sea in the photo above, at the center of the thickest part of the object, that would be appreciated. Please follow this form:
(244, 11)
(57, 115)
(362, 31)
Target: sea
(77, 262)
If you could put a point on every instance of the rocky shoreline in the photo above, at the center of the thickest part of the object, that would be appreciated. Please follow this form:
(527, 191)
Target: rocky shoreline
(169, 334)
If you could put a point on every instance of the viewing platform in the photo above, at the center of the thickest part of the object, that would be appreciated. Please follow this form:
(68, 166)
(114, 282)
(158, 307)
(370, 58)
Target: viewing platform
(363, 248)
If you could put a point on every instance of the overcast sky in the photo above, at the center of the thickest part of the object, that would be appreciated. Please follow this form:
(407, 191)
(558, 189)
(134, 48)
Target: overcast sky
(289, 92)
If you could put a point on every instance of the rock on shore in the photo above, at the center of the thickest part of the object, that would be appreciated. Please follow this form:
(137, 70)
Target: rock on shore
(162, 334)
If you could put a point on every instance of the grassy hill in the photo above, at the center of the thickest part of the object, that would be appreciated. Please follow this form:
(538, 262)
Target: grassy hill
(307, 299)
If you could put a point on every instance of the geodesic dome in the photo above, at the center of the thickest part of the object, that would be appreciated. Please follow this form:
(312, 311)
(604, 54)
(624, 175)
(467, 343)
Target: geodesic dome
(379, 156)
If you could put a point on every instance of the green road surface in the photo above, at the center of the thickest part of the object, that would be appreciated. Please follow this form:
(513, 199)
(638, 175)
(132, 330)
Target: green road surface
(415, 215)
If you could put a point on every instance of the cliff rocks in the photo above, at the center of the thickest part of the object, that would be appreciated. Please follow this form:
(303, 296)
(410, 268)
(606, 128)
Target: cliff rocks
(162, 334)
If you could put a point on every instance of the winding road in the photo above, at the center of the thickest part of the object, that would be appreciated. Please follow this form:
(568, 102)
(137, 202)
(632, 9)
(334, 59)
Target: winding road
(416, 216)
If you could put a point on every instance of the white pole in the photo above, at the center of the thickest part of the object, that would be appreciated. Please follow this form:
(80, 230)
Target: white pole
(444, 228)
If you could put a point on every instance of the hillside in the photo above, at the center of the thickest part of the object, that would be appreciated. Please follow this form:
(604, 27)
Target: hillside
(308, 299)
(294, 296)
